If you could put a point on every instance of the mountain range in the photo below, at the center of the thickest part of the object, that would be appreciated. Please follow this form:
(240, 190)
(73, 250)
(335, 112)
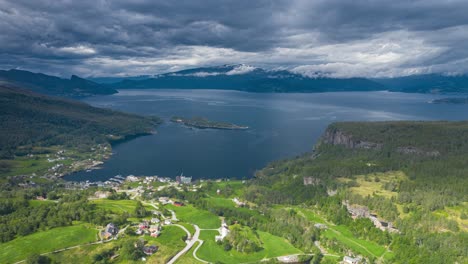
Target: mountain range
(252, 79)
(52, 85)
(238, 77)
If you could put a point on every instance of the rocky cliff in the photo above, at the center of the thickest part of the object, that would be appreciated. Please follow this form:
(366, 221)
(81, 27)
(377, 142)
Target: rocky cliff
(336, 137)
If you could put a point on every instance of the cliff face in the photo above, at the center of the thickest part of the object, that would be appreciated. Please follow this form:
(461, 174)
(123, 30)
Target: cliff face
(337, 137)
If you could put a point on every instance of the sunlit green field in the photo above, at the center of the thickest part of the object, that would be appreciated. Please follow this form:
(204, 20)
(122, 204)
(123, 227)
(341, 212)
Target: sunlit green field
(202, 218)
(45, 241)
(344, 236)
(273, 246)
(118, 206)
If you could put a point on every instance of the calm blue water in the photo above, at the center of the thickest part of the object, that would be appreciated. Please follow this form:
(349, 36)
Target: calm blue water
(281, 126)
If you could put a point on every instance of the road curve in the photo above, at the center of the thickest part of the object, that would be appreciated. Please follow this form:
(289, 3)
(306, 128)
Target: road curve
(188, 247)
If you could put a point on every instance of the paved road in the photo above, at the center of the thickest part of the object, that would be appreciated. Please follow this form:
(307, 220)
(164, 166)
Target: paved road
(174, 217)
(188, 247)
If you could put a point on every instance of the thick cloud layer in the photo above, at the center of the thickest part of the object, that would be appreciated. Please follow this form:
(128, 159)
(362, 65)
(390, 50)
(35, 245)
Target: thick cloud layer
(334, 37)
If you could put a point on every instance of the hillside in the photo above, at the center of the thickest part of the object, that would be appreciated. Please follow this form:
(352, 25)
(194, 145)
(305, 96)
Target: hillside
(32, 124)
(412, 174)
(51, 85)
(249, 79)
(426, 83)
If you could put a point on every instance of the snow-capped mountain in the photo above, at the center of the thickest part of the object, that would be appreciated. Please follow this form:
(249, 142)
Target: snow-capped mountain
(244, 77)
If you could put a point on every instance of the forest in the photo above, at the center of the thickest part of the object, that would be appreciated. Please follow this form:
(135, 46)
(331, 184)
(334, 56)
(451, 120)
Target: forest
(434, 183)
(32, 122)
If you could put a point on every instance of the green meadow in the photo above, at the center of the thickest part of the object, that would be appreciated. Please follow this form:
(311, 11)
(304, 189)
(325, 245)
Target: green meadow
(45, 241)
(202, 218)
(273, 246)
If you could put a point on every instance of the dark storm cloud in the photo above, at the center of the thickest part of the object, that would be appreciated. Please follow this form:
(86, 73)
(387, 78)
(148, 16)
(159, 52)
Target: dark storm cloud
(344, 38)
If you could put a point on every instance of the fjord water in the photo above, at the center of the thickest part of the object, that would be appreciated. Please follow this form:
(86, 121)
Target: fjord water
(281, 126)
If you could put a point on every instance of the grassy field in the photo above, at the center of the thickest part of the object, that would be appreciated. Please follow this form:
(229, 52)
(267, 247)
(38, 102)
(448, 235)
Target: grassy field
(79, 255)
(364, 247)
(45, 241)
(374, 183)
(343, 235)
(170, 242)
(189, 227)
(35, 203)
(236, 186)
(455, 213)
(273, 246)
(118, 206)
(216, 201)
(202, 218)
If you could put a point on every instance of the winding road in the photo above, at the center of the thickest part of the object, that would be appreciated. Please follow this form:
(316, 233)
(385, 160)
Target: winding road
(189, 244)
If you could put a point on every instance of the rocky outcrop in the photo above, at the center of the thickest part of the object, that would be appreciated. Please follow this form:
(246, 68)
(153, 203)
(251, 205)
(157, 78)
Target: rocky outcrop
(417, 151)
(337, 137)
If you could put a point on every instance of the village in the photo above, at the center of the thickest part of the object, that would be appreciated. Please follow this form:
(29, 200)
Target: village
(165, 213)
(153, 226)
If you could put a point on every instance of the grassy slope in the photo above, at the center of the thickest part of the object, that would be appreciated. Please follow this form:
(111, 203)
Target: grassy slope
(170, 242)
(118, 206)
(202, 218)
(273, 247)
(368, 185)
(344, 235)
(45, 241)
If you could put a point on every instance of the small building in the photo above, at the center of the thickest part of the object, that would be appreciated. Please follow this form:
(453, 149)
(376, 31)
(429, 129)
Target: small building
(183, 180)
(311, 181)
(102, 194)
(179, 204)
(167, 222)
(155, 234)
(150, 250)
(223, 232)
(350, 260)
(154, 228)
(155, 220)
(144, 224)
(320, 226)
(110, 231)
(238, 202)
(164, 200)
(132, 178)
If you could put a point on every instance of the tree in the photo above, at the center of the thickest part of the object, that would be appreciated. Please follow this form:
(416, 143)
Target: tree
(140, 210)
(132, 249)
(38, 259)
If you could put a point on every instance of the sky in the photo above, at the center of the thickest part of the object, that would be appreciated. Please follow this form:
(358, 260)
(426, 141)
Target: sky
(338, 38)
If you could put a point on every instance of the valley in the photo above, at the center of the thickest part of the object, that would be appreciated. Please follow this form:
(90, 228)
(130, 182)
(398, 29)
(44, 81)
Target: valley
(323, 206)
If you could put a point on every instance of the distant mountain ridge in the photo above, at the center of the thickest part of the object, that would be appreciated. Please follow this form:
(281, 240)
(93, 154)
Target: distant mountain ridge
(52, 85)
(253, 79)
(426, 83)
(239, 77)
(250, 79)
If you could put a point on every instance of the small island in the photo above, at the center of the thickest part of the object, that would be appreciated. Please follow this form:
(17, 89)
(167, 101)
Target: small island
(200, 122)
(453, 100)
